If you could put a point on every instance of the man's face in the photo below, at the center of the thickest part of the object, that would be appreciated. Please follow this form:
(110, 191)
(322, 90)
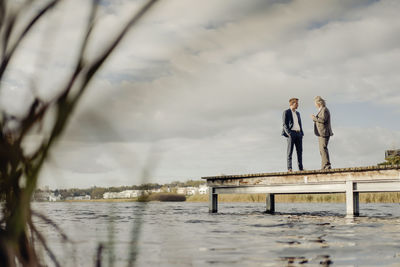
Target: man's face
(294, 105)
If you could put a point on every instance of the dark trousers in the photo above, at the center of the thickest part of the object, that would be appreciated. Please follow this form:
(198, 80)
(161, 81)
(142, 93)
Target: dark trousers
(295, 139)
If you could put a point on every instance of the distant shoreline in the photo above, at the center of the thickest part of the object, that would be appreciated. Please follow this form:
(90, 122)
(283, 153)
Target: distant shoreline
(101, 200)
(159, 197)
(391, 197)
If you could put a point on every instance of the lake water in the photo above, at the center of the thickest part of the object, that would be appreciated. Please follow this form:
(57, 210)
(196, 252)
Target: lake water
(185, 234)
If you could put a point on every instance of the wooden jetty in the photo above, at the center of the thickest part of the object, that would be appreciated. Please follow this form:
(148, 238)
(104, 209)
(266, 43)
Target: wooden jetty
(350, 181)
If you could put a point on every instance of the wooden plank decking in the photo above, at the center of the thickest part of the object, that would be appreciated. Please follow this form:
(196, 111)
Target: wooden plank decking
(351, 181)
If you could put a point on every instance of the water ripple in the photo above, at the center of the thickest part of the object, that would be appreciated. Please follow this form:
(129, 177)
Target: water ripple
(241, 234)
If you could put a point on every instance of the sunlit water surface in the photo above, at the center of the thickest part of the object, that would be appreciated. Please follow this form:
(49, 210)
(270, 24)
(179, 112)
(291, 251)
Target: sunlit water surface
(241, 234)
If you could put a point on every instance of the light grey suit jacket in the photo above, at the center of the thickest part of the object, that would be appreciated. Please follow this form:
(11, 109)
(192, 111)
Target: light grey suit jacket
(322, 123)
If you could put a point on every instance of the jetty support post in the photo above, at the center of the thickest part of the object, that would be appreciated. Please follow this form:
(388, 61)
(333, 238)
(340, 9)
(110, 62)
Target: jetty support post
(213, 201)
(270, 203)
(352, 201)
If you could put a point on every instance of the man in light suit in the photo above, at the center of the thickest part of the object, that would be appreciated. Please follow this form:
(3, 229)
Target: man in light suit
(322, 129)
(293, 131)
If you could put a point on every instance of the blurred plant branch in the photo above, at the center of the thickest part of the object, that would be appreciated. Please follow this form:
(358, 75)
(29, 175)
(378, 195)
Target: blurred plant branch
(19, 172)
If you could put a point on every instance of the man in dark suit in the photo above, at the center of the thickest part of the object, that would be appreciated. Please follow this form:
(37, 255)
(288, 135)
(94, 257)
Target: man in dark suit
(293, 131)
(323, 129)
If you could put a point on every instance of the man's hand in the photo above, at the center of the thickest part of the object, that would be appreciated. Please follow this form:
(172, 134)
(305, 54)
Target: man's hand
(313, 117)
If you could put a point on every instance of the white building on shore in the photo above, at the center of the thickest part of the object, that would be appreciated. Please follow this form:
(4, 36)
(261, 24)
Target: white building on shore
(123, 194)
(203, 189)
(190, 191)
(52, 197)
(86, 197)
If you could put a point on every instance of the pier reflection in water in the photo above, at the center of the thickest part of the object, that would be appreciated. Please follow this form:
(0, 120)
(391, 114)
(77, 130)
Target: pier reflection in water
(185, 234)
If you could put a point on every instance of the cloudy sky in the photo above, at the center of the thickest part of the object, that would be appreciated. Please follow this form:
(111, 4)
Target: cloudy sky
(198, 87)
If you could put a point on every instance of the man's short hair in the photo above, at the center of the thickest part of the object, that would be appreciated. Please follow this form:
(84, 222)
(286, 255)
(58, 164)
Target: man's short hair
(292, 100)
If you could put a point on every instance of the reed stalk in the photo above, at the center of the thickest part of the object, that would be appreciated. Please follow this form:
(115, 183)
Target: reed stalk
(19, 173)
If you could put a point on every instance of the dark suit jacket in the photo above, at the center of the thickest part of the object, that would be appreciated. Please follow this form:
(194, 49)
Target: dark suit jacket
(322, 123)
(288, 122)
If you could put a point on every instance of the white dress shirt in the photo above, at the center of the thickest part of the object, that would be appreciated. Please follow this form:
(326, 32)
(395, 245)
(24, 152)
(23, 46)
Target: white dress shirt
(296, 125)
